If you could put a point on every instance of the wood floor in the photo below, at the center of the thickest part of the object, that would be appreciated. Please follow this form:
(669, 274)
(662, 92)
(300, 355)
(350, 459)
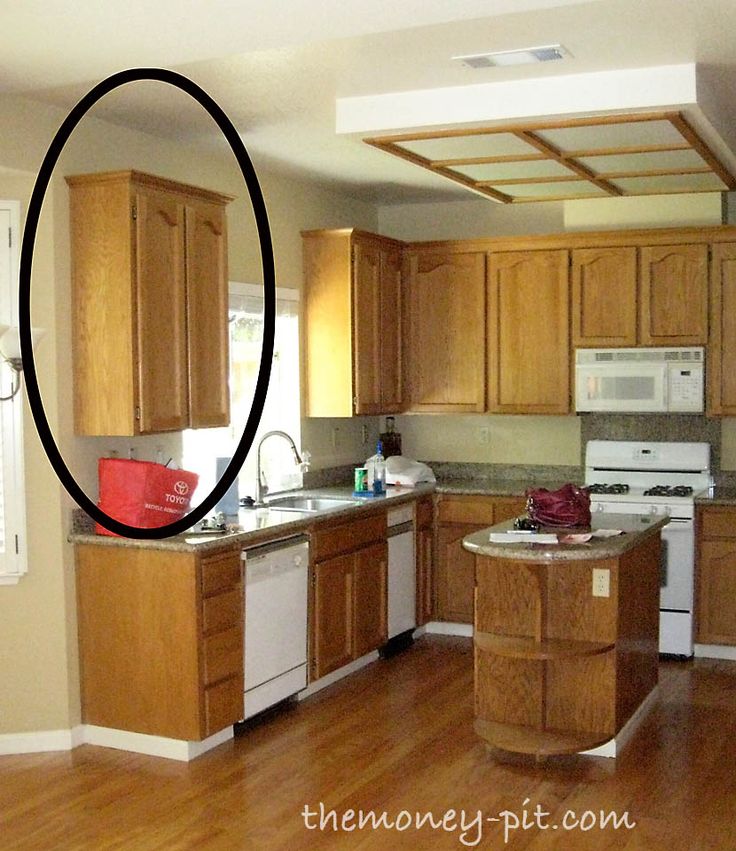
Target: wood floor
(397, 736)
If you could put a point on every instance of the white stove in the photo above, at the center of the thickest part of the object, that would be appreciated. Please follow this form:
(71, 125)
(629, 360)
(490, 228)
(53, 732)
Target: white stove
(662, 479)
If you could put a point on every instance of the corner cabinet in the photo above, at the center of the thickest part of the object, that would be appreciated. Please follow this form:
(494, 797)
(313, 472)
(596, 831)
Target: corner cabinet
(722, 350)
(528, 332)
(458, 516)
(160, 640)
(352, 308)
(446, 330)
(149, 304)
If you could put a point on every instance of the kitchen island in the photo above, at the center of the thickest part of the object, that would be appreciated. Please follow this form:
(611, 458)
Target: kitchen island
(566, 636)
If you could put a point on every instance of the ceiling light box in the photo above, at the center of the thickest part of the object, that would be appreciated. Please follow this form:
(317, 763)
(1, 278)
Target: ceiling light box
(594, 157)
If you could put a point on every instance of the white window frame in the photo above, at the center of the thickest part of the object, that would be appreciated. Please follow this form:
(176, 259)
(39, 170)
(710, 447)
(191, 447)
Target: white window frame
(13, 561)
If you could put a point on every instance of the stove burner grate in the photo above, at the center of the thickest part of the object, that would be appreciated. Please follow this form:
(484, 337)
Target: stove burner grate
(607, 489)
(669, 490)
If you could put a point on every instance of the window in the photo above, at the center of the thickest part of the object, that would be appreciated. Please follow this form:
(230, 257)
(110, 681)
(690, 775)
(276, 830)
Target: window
(282, 410)
(12, 500)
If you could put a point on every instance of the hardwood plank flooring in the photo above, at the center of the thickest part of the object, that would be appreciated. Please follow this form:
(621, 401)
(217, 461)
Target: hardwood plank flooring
(396, 736)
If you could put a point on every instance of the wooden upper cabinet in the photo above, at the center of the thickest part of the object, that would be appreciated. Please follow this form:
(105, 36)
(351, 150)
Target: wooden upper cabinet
(674, 295)
(446, 334)
(207, 303)
(149, 304)
(352, 324)
(722, 348)
(161, 309)
(604, 297)
(528, 332)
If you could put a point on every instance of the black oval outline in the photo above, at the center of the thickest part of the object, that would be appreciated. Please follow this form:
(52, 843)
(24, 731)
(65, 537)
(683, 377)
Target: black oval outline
(269, 291)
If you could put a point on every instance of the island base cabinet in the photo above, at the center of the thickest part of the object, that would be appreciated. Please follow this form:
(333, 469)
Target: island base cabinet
(558, 669)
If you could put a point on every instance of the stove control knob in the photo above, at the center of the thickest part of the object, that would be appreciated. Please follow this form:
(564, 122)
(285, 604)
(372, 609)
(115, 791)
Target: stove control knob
(652, 509)
(600, 507)
(667, 511)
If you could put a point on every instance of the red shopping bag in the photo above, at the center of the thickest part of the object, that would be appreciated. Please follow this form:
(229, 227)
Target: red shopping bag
(143, 494)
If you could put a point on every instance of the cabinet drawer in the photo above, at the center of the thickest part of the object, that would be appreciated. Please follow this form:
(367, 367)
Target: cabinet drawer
(223, 654)
(474, 509)
(328, 541)
(222, 610)
(718, 523)
(424, 513)
(220, 572)
(223, 705)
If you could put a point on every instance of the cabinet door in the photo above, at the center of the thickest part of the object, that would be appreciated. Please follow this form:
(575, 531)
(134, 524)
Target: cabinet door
(455, 574)
(332, 615)
(370, 598)
(391, 331)
(161, 312)
(507, 508)
(528, 333)
(367, 327)
(207, 315)
(604, 297)
(674, 295)
(446, 335)
(425, 556)
(722, 350)
(716, 606)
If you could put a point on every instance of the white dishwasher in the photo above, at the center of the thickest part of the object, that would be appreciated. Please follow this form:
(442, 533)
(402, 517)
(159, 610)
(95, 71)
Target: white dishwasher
(402, 571)
(276, 582)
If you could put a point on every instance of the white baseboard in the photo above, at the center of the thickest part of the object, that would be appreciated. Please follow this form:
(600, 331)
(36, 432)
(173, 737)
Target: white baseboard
(618, 743)
(47, 741)
(715, 651)
(447, 628)
(38, 741)
(179, 749)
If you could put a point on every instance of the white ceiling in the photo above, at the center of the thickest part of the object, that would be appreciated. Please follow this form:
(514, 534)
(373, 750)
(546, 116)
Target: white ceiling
(277, 69)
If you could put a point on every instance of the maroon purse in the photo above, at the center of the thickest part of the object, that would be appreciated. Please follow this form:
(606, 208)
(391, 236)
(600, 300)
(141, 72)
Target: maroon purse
(568, 506)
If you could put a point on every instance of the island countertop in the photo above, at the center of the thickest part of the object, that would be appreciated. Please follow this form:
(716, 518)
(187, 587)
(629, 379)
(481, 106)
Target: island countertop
(634, 529)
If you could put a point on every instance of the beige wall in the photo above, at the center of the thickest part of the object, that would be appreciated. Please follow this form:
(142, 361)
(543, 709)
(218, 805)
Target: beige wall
(38, 665)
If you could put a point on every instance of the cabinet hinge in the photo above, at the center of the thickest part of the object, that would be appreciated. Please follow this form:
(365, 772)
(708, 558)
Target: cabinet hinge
(137, 412)
(135, 213)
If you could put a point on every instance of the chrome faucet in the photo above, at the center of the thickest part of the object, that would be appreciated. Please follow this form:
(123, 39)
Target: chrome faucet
(261, 485)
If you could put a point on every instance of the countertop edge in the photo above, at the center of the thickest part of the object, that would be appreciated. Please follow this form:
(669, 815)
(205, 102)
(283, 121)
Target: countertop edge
(604, 548)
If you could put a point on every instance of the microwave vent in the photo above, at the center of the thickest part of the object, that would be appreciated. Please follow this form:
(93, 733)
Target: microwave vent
(643, 355)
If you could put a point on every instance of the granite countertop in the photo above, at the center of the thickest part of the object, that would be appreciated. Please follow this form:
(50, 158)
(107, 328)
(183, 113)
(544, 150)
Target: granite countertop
(258, 525)
(493, 487)
(718, 495)
(635, 529)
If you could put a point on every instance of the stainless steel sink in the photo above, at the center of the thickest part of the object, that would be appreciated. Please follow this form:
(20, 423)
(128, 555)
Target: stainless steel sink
(309, 504)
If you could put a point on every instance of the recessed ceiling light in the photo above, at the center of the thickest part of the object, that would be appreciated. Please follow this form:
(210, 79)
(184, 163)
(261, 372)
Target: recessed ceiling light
(523, 56)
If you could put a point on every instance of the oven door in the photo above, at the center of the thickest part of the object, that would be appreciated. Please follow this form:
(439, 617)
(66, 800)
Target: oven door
(677, 569)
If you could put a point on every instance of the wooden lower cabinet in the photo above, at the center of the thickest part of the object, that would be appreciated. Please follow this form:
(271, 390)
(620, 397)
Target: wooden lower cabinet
(715, 607)
(160, 640)
(458, 516)
(558, 670)
(349, 592)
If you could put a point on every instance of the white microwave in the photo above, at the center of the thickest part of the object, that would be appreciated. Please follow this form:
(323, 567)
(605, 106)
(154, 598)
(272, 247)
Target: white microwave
(639, 380)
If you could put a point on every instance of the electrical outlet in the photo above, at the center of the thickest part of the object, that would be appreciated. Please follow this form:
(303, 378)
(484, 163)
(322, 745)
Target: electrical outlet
(601, 582)
(483, 435)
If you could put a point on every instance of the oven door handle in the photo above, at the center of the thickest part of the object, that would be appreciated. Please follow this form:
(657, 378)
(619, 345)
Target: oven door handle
(681, 522)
